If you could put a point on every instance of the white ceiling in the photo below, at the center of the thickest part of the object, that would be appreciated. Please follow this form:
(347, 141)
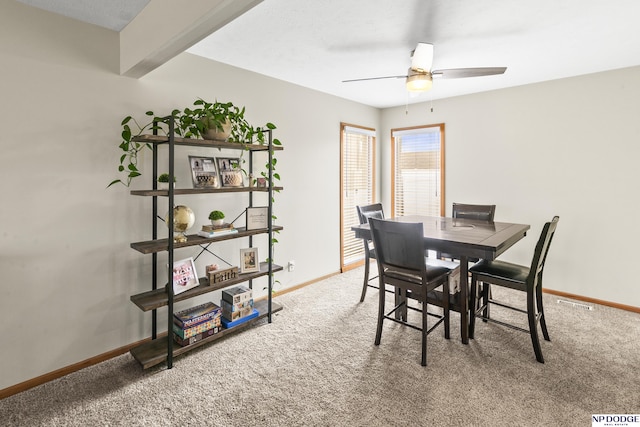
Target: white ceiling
(317, 44)
(111, 14)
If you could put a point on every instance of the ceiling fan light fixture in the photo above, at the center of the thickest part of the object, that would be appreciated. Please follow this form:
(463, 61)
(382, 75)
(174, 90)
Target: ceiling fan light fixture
(419, 81)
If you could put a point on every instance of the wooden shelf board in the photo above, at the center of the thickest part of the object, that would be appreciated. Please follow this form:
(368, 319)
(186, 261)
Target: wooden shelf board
(180, 191)
(154, 352)
(162, 139)
(161, 245)
(157, 298)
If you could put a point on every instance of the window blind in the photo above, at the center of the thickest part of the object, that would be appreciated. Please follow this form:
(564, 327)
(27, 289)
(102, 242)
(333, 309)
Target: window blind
(418, 171)
(357, 186)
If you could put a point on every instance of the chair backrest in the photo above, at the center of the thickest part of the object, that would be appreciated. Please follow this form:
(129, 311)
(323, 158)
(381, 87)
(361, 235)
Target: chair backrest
(398, 244)
(370, 211)
(541, 252)
(479, 212)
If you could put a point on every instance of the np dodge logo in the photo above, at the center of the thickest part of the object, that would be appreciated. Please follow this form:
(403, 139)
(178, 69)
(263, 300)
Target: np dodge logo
(615, 420)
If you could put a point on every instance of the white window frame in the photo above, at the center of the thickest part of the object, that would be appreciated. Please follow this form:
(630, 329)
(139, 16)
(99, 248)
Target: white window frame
(426, 184)
(351, 249)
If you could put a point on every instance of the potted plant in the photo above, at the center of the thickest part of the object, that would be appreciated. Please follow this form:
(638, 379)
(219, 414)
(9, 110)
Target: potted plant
(131, 147)
(163, 181)
(189, 123)
(216, 217)
(215, 120)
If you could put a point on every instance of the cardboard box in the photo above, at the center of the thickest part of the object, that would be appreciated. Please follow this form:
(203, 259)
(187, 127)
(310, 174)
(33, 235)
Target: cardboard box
(237, 294)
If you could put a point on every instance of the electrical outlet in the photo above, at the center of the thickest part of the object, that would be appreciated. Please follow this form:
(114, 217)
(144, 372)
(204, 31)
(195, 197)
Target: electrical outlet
(291, 266)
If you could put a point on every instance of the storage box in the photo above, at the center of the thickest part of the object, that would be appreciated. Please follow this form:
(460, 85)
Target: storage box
(195, 315)
(236, 311)
(237, 294)
(230, 324)
(196, 338)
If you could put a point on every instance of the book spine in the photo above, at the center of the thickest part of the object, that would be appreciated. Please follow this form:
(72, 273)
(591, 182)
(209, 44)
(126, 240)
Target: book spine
(210, 234)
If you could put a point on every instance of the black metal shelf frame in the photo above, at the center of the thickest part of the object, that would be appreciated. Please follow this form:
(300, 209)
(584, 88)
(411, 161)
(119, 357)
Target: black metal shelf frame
(171, 141)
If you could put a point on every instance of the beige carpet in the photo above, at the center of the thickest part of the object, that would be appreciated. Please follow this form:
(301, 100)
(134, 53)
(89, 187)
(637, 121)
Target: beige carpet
(316, 365)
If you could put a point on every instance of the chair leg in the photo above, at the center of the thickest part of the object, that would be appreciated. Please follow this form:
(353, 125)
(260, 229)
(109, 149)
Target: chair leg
(543, 323)
(445, 309)
(533, 327)
(474, 298)
(381, 299)
(425, 328)
(486, 296)
(367, 261)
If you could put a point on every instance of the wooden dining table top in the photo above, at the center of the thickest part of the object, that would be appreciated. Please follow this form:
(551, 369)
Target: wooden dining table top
(462, 237)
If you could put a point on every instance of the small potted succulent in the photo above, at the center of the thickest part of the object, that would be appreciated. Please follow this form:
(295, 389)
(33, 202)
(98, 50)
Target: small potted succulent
(216, 217)
(163, 181)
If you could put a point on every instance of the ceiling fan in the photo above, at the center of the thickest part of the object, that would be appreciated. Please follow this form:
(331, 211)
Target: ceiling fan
(420, 75)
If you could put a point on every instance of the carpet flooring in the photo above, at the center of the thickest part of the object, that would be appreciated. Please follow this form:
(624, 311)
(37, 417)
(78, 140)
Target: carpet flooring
(316, 365)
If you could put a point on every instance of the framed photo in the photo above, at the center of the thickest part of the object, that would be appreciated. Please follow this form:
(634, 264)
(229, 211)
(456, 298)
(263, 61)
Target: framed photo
(249, 260)
(184, 275)
(257, 218)
(204, 172)
(230, 172)
(261, 182)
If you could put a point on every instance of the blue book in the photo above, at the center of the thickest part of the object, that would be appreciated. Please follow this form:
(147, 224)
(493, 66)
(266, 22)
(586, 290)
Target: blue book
(229, 324)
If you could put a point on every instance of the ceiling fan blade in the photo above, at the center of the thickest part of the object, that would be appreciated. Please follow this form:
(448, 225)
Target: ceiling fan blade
(457, 73)
(422, 57)
(375, 78)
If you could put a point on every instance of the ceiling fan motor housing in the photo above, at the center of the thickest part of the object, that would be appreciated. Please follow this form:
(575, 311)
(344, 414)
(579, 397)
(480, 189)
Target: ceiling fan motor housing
(419, 80)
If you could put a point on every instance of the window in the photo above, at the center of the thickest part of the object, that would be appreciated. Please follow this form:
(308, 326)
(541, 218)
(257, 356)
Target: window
(357, 160)
(418, 171)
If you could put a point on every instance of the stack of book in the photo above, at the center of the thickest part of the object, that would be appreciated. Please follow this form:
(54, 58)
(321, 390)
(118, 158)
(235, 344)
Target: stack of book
(196, 323)
(237, 306)
(209, 230)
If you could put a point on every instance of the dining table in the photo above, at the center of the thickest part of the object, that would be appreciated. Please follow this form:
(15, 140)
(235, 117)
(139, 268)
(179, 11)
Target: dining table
(465, 239)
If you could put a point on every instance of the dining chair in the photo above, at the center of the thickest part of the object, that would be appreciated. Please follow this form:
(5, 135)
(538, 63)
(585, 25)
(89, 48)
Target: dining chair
(402, 264)
(478, 212)
(364, 213)
(484, 213)
(519, 278)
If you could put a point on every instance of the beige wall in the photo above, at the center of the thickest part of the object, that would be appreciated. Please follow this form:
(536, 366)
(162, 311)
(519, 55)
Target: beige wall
(67, 268)
(565, 147)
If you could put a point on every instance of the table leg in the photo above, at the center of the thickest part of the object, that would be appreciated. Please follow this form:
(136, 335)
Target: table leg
(464, 299)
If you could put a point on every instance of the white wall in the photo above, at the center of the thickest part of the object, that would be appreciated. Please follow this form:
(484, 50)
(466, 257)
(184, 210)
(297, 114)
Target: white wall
(567, 147)
(67, 268)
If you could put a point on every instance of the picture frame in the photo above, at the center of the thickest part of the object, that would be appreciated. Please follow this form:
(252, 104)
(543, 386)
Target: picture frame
(257, 217)
(261, 182)
(230, 171)
(249, 260)
(204, 172)
(185, 276)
